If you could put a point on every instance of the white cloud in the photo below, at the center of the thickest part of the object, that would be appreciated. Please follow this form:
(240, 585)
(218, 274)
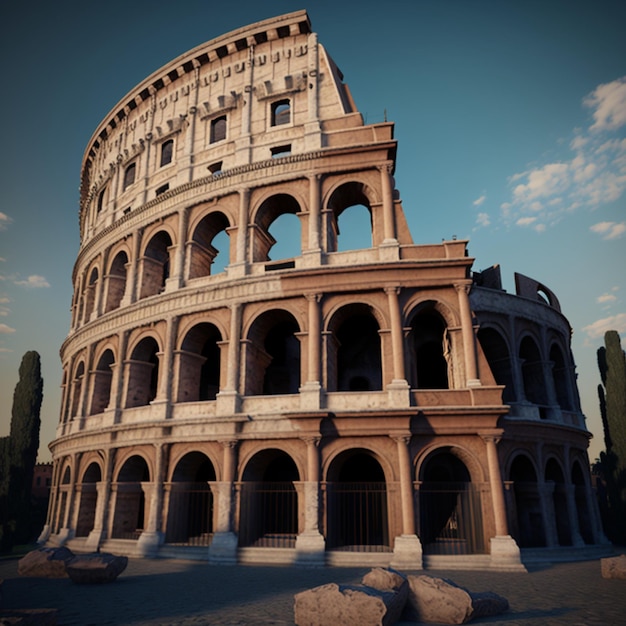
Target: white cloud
(610, 230)
(5, 220)
(6, 330)
(608, 102)
(479, 201)
(593, 175)
(34, 281)
(482, 219)
(599, 327)
(526, 221)
(606, 297)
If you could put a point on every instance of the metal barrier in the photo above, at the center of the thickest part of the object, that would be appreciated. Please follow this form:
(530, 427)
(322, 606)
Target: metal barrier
(190, 516)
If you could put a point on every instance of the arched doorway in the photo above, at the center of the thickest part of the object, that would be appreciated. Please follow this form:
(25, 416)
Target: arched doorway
(450, 520)
(268, 514)
(527, 528)
(428, 350)
(554, 478)
(190, 506)
(88, 500)
(356, 501)
(130, 500)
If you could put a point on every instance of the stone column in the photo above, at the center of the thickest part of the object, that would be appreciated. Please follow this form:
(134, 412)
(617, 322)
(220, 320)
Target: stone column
(312, 256)
(389, 227)
(572, 512)
(310, 543)
(228, 398)
(166, 364)
(407, 548)
(505, 553)
(546, 497)
(310, 392)
(178, 275)
(223, 548)
(469, 339)
(152, 537)
(240, 266)
(398, 390)
(132, 271)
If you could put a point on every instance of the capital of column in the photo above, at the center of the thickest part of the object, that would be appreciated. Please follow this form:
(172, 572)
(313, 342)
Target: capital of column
(311, 440)
(463, 288)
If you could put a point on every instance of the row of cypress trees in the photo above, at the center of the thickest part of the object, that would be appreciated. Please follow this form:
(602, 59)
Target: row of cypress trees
(611, 467)
(18, 455)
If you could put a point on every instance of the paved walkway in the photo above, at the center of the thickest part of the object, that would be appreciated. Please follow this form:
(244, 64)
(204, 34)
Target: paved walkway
(189, 593)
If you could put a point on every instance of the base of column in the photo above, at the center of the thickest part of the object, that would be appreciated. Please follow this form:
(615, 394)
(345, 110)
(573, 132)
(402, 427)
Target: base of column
(311, 549)
(505, 554)
(407, 553)
(94, 540)
(223, 548)
(227, 403)
(148, 544)
(237, 270)
(399, 393)
(311, 258)
(45, 533)
(311, 396)
(389, 250)
(63, 536)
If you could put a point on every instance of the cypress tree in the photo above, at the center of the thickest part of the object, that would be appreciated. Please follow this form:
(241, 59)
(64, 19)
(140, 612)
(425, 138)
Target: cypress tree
(22, 452)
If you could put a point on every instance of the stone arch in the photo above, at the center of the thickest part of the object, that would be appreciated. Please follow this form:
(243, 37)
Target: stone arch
(102, 377)
(90, 291)
(496, 349)
(199, 363)
(344, 199)
(450, 506)
(129, 518)
(155, 264)
(190, 500)
(142, 372)
(202, 253)
(78, 380)
(88, 499)
(429, 349)
(356, 502)
(116, 281)
(268, 211)
(533, 374)
(354, 356)
(560, 376)
(555, 480)
(528, 526)
(268, 514)
(272, 354)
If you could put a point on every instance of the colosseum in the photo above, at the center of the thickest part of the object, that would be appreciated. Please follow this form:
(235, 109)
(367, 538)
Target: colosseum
(384, 405)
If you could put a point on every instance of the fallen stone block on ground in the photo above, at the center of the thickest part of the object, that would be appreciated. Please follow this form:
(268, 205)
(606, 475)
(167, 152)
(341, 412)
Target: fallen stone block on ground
(45, 563)
(335, 605)
(28, 617)
(614, 567)
(442, 601)
(97, 568)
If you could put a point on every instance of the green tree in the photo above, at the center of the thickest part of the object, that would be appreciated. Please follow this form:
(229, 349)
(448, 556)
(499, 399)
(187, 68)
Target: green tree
(20, 453)
(612, 466)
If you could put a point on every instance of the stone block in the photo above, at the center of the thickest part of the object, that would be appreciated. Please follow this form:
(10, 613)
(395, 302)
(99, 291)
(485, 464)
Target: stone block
(443, 602)
(333, 604)
(45, 563)
(97, 568)
(614, 567)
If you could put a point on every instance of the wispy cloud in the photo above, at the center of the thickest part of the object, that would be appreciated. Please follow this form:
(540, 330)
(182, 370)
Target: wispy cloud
(593, 175)
(599, 327)
(609, 230)
(6, 330)
(482, 219)
(5, 220)
(33, 282)
(606, 298)
(479, 201)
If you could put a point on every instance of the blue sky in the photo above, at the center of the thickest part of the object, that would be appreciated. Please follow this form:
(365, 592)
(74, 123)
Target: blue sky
(510, 118)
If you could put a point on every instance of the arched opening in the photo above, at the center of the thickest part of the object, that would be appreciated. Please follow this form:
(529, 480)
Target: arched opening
(63, 498)
(142, 373)
(356, 493)
(116, 282)
(351, 226)
(533, 375)
(155, 265)
(268, 501)
(88, 500)
(582, 503)
(190, 506)
(527, 527)
(199, 364)
(273, 355)
(90, 296)
(450, 520)
(102, 378)
(77, 388)
(560, 376)
(209, 249)
(288, 242)
(358, 356)
(130, 500)
(554, 478)
(497, 355)
(429, 351)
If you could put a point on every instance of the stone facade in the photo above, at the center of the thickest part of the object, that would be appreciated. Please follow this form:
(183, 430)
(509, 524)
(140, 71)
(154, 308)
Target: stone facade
(331, 407)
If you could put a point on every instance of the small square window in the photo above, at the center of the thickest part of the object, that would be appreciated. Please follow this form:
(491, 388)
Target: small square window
(129, 175)
(281, 112)
(280, 151)
(216, 168)
(167, 149)
(100, 203)
(162, 189)
(218, 129)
